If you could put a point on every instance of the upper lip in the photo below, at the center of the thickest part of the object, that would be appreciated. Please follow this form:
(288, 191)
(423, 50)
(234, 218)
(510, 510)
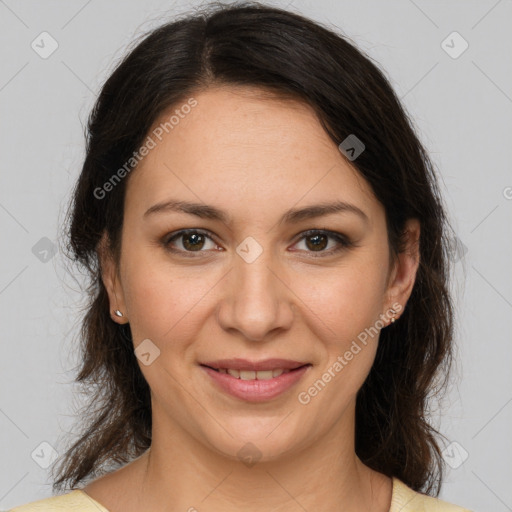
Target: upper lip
(245, 364)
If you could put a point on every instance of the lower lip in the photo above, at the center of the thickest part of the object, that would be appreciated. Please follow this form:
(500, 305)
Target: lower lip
(256, 390)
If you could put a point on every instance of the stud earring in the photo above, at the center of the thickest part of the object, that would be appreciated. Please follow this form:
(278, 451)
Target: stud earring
(393, 317)
(116, 311)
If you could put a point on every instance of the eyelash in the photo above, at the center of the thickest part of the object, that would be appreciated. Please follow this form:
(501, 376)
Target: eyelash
(343, 242)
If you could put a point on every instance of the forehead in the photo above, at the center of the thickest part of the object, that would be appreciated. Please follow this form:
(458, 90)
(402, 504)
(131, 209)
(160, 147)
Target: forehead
(239, 145)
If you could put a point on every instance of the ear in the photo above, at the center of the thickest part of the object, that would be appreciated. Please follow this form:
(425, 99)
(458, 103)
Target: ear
(403, 274)
(111, 280)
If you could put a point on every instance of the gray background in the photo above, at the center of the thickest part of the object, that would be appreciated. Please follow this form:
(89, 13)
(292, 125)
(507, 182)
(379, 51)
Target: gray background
(462, 110)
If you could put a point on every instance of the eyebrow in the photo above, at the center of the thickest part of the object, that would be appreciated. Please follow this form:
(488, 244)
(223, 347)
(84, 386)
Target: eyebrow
(291, 216)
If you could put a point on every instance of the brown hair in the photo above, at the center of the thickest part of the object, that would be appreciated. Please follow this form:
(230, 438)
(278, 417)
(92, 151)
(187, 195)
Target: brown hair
(285, 53)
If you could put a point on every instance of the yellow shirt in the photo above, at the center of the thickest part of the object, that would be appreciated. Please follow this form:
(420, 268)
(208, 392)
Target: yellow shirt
(403, 499)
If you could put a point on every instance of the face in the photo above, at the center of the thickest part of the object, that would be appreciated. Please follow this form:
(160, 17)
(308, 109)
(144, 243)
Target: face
(258, 275)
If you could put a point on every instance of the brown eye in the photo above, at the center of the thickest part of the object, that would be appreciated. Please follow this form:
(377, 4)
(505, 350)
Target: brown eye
(189, 241)
(193, 241)
(316, 241)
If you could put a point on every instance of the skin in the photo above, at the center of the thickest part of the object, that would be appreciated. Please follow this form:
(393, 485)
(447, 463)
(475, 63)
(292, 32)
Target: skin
(253, 157)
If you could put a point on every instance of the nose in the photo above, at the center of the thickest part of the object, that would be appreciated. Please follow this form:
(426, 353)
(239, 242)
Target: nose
(256, 300)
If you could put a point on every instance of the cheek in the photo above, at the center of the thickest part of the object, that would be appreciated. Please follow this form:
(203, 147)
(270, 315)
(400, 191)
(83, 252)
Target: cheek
(167, 301)
(163, 300)
(342, 310)
(345, 300)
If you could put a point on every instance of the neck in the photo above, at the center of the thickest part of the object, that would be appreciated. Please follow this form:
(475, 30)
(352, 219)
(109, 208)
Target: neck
(180, 473)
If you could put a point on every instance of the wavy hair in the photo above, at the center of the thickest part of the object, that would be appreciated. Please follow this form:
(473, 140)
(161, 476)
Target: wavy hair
(287, 55)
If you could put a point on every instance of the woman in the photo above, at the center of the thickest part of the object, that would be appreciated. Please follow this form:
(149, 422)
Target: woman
(267, 249)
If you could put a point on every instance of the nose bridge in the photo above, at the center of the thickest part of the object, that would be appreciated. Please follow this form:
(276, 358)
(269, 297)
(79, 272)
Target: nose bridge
(257, 301)
(253, 269)
(255, 286)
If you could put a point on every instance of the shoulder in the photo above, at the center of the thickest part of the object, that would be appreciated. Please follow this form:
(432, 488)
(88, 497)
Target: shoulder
(74, 501)
(404, 499)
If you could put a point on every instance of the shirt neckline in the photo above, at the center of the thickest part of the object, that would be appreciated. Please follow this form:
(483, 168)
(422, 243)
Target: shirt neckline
(399, 496)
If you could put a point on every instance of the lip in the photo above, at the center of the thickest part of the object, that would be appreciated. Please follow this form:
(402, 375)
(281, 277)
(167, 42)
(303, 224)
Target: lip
(256, 390)
(245, 364)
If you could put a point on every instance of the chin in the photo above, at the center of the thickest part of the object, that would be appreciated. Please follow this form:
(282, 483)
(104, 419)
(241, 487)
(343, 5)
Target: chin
(257, 440)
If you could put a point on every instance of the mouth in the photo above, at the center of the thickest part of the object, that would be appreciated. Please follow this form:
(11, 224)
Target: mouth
(255, 381)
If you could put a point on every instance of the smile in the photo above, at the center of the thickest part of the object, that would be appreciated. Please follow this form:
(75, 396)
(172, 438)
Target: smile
(255, 385)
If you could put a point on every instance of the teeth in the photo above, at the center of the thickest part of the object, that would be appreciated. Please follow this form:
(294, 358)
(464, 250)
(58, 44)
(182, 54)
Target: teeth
(251, 375)
(264, 375)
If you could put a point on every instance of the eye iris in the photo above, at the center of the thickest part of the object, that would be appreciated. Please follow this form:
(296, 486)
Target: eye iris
(196, 237)
(317, 244)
